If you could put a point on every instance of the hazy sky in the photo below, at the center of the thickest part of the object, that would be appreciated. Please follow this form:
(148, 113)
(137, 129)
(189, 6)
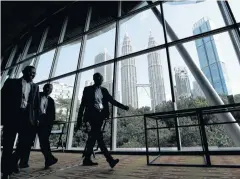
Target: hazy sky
(180, 17)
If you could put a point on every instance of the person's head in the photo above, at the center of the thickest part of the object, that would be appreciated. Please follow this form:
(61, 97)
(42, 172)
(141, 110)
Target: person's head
(98, 79)
(29, 73)
(47, 89)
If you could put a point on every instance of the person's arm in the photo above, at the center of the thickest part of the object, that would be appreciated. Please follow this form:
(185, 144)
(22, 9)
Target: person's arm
(53, 111)
(37, 105)
(114, 102)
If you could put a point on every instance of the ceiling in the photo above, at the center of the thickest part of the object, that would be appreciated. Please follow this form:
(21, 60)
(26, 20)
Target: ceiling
(18, 17)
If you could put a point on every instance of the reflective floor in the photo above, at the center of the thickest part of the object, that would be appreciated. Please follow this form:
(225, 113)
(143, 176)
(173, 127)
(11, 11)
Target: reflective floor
(70, 167)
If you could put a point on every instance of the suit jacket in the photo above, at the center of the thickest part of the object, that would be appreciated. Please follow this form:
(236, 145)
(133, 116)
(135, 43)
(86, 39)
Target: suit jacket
(11, 101)
(88, 100)
(50, 116)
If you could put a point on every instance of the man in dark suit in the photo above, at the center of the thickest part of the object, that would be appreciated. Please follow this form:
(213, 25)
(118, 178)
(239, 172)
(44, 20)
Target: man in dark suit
(95, 107)
(46, 119)
(20, 109)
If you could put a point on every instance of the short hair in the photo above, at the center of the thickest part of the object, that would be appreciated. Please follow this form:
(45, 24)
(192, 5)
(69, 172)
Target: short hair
(47, 85)
(97, 74)
(27, 68)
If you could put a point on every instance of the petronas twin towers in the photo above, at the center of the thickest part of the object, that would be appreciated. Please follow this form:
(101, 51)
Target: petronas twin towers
(129, 74)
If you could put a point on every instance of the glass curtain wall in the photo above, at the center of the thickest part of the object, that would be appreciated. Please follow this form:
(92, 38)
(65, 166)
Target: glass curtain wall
(143, 51)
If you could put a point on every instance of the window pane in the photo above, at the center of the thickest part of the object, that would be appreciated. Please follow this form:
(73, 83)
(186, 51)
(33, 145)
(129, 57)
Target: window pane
(222, 74)
(192, 17)
(103, 14)
(43, 66)
(62, 95)
(76, 20)
(86, 79)
(100, 46)
(234, 5)
(68, 58)
(143, 84)
(139, 32)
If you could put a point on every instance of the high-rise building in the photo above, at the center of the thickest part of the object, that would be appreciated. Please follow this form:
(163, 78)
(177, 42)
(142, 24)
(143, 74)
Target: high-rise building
(106, 70)
(182, 82)
(197, 91)
(210, 59)
(128, 75)
(155, 73)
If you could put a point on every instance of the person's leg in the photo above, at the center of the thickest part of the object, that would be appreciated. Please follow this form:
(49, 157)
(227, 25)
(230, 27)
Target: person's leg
(9, 135)
(27, 134)
(44, 132)
(112, 162)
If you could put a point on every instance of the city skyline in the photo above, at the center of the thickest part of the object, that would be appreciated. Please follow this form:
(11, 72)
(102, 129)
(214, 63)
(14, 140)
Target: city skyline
(139, 38)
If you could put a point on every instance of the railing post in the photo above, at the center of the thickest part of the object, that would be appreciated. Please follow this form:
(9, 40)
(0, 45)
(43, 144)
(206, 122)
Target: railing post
(146, 140)
(204, 138)
(158, 136)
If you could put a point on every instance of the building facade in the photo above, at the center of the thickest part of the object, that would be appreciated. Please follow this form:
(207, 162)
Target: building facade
(155, 73)
(128, 75)
(182, 82)
(210, 59)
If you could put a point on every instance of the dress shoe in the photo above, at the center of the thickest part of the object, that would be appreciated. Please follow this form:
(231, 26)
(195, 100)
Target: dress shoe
(50, 162)
(23, 165)
(88, 162)
(5, 176)
(15, 169)
(113, 162)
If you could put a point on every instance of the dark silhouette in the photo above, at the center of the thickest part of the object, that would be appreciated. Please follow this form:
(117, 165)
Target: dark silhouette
(46, 119)
(94, 109)
(20, 109)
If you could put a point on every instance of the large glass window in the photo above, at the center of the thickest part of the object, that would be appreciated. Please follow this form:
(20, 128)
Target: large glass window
(43, 66)
(234, 5)
(68, 58)
(226, 54)
(62, 95)
(143, 84)
(139, 32)
(190, 15)
(86, 79)
(100, 46)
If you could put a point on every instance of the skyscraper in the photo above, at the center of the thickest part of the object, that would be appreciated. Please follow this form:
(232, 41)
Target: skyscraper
(106, 70)
(182, 82)
(197, 91)
(211, 62)
(128, 75)
(155, 73)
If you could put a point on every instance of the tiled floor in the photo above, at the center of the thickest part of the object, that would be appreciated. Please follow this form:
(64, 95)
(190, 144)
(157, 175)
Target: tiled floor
(130, 167)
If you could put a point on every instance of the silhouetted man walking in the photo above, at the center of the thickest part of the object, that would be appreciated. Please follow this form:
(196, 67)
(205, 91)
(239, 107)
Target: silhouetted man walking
(20, 109)
(95, 107)
(46, 119)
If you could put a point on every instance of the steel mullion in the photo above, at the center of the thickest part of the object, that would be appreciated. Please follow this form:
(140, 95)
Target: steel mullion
(77, 81)
(58, 49)
(115, 79)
